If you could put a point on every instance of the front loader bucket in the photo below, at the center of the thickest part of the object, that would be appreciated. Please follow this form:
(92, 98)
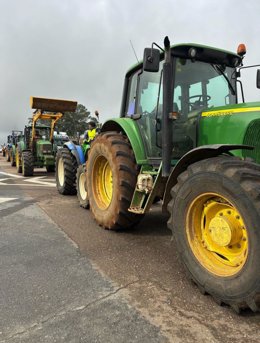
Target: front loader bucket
(53, 105)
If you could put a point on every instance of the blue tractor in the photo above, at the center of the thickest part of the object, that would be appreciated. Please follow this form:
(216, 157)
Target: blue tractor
(71, 165)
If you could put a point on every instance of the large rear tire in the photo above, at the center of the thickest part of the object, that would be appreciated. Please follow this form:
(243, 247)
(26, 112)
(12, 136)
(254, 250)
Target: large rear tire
(27, 163)
(215, 216)
(66, 169)
(111, 179)
(82, 186)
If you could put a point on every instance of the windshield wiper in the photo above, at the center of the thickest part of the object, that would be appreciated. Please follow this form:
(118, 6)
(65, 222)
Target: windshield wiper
(220, 71)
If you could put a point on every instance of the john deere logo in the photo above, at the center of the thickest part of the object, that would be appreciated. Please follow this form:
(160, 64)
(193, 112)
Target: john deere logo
(230, 112)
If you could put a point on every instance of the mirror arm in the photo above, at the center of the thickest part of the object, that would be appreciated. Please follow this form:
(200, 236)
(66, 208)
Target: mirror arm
(242, 91)
(158, 46)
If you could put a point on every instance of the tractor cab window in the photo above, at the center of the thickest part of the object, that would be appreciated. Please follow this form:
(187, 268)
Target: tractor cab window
(203, 85)
(198, 86)
(148, 93)
(131, 97)
(149, 104)
(42, 133)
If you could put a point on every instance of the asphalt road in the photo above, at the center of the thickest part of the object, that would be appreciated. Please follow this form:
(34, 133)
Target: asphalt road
(137, 272)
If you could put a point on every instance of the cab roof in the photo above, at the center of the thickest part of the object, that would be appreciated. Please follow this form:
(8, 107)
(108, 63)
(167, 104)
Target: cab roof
(204, 53)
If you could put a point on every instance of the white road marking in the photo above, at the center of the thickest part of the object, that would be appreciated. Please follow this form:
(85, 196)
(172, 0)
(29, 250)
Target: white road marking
(30, 185)
(12, 175)
(39, 182)
(6, 199)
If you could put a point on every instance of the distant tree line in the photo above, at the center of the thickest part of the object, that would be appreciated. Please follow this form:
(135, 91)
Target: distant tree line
(73, 122)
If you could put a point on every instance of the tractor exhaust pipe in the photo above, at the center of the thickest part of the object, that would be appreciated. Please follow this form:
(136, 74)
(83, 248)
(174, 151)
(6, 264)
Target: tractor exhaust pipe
(167, 109)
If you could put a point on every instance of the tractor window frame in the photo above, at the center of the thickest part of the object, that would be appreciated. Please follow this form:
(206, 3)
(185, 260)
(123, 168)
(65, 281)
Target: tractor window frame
(131, 94)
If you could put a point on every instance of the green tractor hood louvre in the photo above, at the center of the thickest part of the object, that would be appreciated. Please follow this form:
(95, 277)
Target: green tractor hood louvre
(252, 137)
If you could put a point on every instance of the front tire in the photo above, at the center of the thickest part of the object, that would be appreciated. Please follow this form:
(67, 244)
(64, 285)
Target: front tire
(66, 169)
(215, 220)
(18, 162)
(27, 163)
(111, 179)
(82, 186)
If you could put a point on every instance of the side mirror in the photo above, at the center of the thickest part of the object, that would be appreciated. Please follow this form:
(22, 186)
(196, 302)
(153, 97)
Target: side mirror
(258, 78)
(151, 60)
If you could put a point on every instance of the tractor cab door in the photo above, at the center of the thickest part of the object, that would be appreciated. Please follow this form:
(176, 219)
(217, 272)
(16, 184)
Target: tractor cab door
(143, 99)
(149, 106)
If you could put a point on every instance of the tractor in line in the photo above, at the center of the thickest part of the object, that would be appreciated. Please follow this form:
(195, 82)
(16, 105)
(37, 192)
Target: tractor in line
(37, 149)
(184, 137)
(71, 163)
(10, 149)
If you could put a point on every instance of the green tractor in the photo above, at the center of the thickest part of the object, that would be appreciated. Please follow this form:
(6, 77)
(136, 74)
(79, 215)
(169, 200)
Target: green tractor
(8, 147)
(38, 148)
(182, 137)
(13, 140)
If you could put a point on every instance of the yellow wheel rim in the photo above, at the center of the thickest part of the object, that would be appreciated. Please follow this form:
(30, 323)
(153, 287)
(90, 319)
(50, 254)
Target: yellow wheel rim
(102, 182)
(17, 160)
(82, 186)
(217, 234)
(61, 176)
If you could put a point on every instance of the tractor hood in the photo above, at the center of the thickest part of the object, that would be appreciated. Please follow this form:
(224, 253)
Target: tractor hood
(236, 124)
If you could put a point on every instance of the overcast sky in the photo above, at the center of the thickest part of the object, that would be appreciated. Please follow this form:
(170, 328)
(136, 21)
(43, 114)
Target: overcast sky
(80, 50)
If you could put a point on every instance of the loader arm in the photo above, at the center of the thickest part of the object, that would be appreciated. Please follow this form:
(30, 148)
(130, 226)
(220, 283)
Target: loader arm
(51, 110)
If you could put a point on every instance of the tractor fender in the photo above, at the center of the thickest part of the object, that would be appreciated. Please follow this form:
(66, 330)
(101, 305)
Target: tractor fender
(198, 154)
(130, 128)
(76, 151)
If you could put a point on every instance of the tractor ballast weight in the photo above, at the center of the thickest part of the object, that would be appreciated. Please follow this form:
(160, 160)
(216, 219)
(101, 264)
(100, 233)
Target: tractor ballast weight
(183, 137)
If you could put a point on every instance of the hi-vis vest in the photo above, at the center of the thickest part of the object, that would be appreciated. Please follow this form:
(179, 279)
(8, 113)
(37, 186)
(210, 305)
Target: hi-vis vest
(91, 135)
